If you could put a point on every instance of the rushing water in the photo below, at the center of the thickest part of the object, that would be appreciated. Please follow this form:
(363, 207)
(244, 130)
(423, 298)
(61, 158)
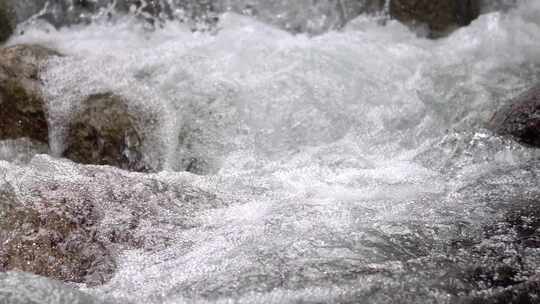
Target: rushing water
(349, 162)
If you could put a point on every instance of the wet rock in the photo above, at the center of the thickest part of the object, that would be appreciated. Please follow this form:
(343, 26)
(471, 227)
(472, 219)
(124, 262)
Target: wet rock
(25, 288)
(55, 239)
(70, 222)
(520, 118)
(106, 132)
(7, 21)
(440, 17)
(22, 112)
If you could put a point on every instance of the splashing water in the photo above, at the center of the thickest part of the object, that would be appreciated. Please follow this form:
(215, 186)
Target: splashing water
(351, 161)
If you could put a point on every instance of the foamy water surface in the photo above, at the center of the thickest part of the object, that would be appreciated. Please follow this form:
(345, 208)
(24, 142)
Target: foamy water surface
(349, 160)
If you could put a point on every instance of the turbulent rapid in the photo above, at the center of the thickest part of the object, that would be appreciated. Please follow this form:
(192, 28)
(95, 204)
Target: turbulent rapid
(353, 166)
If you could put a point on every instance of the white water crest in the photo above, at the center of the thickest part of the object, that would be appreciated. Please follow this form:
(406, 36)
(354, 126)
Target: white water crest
(349, 160)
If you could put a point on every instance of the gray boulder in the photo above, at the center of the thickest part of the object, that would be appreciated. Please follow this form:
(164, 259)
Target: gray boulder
(520, 119)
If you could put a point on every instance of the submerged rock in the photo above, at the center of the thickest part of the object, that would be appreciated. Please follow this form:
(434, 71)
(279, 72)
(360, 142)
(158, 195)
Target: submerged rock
(527, 292)
(506, 260)
(22, 110)
(440, 17)
(105, 132)
(520, 118)
(500, 263)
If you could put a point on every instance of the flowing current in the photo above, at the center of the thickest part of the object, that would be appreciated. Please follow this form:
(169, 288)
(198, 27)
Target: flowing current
(348, 164)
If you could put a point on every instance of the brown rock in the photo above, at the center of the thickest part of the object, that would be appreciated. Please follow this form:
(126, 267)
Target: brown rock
(440, 16)
(22, 112)
(520, 118)
(105, 132)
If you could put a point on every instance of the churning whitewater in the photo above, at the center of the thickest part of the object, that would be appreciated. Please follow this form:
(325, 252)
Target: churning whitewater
(348, 167)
